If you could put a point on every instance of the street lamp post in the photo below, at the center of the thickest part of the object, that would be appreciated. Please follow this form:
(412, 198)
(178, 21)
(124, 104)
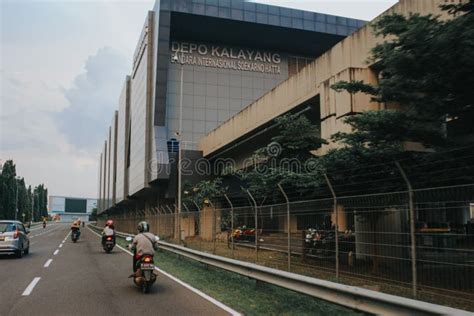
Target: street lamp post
(180, 137)
(32, 205)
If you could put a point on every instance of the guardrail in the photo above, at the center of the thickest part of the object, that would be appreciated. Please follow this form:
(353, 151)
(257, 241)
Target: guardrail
(349, 296)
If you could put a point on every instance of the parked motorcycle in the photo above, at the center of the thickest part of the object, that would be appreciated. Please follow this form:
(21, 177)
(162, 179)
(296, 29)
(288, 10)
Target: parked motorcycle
(244, 234)
(144, 276)
(319, 241)
(109, 243)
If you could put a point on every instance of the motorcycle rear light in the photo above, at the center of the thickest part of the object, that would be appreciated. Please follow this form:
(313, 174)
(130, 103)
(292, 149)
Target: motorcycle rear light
(147, 259)
(109, 238)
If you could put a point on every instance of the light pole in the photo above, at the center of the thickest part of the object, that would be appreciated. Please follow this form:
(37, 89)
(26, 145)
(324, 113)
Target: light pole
(32, 198)
(180, 136)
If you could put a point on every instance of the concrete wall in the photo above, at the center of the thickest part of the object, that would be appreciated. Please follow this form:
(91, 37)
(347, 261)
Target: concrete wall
(346, 60)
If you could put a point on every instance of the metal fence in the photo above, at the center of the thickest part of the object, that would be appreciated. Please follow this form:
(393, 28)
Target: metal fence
(388, 232)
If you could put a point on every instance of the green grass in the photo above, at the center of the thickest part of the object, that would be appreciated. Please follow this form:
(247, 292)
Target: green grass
(243, 294)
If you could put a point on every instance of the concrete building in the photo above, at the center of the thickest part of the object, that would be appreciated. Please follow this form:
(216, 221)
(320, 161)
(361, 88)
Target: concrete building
(198, 66)
(68, 209)
(210, 79)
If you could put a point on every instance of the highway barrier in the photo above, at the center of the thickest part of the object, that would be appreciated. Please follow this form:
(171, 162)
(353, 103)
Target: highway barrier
(349, 296)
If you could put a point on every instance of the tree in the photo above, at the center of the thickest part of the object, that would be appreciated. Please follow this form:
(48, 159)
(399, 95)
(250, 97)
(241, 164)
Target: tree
(8, 190)
(425, 66)
(287, 159)
(203, 192)
(426, 75)
(93, 216)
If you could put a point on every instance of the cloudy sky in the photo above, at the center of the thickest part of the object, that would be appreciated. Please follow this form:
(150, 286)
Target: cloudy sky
(62, 65)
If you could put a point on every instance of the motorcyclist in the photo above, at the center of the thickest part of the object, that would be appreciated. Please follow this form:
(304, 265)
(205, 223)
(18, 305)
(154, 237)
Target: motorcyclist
(144, 243)
(109, 230)
(76, 226)
(44, 223)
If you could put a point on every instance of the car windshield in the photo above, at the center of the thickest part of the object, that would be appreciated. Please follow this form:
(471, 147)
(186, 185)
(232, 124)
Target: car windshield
(7, 227)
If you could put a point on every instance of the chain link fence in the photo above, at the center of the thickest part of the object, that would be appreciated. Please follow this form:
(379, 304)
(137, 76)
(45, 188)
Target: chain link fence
(406, 229)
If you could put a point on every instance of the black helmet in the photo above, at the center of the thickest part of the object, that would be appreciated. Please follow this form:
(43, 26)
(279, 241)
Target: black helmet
(143, 227)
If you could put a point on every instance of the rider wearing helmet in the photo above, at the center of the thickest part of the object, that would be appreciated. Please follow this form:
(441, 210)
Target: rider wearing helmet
(76, 226)
(144, 243)
(109, 230)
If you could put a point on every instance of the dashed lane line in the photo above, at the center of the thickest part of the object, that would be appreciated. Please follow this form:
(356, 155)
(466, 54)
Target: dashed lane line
(56, 252)
(48, 263)
(31, 286)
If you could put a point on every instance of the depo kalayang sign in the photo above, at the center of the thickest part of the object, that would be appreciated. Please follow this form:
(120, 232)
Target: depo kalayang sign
(216, 56)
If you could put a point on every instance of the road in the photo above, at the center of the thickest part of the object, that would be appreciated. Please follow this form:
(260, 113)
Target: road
(66, 278)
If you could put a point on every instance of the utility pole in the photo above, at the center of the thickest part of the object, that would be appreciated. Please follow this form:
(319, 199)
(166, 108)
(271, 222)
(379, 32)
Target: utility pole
(180, 137)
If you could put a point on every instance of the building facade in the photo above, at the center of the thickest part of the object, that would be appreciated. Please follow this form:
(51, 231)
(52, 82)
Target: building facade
(68, 209)
(197, 66)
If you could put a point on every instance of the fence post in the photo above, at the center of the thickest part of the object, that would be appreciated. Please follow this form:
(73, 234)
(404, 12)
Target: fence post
(412, 229)
(231, 223)
(288, 225)
(214, 227)
(256, 226)
(336, 228)
(199, 223)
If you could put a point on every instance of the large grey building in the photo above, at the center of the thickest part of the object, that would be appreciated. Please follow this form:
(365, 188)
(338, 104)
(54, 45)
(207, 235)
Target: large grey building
(197, 64)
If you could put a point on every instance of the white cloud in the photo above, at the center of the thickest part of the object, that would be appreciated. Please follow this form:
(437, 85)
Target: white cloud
(93, 99)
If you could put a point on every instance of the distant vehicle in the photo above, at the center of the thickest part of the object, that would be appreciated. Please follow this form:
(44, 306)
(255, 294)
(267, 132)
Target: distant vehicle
(14, 238)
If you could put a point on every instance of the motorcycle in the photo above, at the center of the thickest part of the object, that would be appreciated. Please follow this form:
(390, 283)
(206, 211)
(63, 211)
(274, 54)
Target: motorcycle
(44, 224)
(109, 243)
(75, 235)
(319, 241)
(144, 276)
(244, 234)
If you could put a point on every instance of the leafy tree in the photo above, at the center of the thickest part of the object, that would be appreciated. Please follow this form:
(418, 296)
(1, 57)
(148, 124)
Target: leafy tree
(287, 159)
(41, 201)
(93, 216)
(426, 65)
(203, 192)
(8, 190)
(426, 75)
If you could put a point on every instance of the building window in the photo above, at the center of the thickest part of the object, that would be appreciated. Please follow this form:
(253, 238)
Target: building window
(173, 145)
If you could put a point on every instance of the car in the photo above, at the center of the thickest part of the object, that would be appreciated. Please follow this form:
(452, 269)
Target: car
(14, 238)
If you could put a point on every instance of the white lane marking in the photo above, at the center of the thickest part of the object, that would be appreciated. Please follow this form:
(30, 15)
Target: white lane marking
(48, 263)
(56, 252)
(189, 287)
(31, 286)
(60, 246)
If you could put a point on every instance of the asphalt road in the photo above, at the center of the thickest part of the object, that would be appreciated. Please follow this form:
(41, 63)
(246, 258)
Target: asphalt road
(81, 279)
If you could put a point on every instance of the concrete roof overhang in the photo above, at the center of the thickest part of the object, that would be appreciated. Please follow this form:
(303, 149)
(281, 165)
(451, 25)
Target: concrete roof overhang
(246, 34)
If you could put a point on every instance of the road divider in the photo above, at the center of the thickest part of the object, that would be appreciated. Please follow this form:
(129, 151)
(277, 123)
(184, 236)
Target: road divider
(31, 286)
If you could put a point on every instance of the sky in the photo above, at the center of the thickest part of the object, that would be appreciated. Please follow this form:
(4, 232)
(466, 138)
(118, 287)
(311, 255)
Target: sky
(62, 67)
